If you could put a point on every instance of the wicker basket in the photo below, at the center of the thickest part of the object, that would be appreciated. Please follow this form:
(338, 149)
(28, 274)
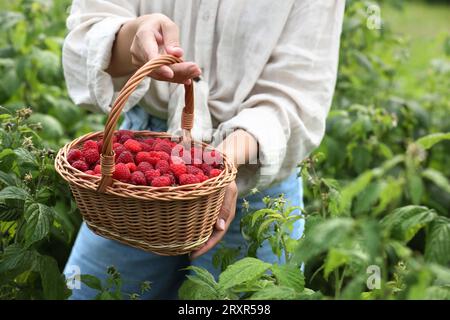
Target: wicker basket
(163, 220)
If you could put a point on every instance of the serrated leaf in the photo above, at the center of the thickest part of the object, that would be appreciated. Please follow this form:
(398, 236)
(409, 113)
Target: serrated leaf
(437, 246)
(17, 259)
(437, 178)
(289, 275)
(415, 188)
(191, 290)
(205, 280)
(275, 293)
(245, 270)
(91, 281)
(366, 199)
(430, 140)
(25, 156)
(13, 193)
(335, 258)
(53, 282)
(8, 179)
(403, 223)
(323, 236)
(39, 218)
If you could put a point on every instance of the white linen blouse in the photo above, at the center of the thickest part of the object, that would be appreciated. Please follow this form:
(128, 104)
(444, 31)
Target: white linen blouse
(268, 67)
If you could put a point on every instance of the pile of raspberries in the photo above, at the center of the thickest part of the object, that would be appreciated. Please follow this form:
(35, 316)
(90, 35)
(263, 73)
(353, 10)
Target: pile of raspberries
(155, 162)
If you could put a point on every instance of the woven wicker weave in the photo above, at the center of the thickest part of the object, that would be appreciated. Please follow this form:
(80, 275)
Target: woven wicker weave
(162, 220)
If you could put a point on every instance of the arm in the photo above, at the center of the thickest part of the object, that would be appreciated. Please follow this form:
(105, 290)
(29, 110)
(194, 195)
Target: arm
(242, 148)
(100, 46)
(284, 117)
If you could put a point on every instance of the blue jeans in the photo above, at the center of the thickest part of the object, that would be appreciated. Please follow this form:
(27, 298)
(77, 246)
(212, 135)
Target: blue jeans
(92, 254)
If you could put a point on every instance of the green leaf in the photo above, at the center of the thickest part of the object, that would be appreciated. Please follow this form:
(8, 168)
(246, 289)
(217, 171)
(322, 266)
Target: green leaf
(437, 246)
(52, 128)
(354, 188)
(366, 199)
(289, 275)
(225, 256)
(430, 140)
(191, 290)
(245, 270)
(13, 193)
(334, 260)
(403, 223)
(275, 293)
(17, 259)
(322, 236)
(205, 280)
(91, 281)
(39, 218)
(53, 282)
(25, 156)
(437, 178)
(415, 188)
(7, 157)
(8, 179)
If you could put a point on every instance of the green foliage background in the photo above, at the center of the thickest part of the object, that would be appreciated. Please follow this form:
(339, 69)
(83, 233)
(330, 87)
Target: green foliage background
(377, 189)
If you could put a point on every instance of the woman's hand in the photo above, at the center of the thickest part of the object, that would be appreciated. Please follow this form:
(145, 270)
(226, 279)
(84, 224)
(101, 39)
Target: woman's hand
(241, 148)
(145, 38)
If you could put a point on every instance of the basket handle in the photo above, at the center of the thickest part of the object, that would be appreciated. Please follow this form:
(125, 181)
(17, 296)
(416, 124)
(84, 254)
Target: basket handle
(187, 118)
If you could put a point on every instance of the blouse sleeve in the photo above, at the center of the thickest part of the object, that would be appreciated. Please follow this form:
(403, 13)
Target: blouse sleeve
(287, 108)
(87, 52)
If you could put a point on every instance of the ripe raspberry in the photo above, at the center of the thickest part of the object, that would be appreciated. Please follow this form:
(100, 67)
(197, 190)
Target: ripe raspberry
(138, 178)
(90, 144)
(116, 145)
(125, 138)
(163, 146)
(193, 170)
(74, 155)
(118, 150)
(144, 167)
(151, 174)
(163, 155)
(145, 147)
(214, 173)
(163, 181)
(80, 165)
(98, 169)
(178, 169)
(173, 180)
(133, 145)
(142, 157)
(163, 166)
(149, 141)
(206, 168)
(188, 179)
(121, 172)
(100, 145)
(91, 155)
(131, 166)
(125, 157)
(92, 173)
(121, 133)
(201, 177)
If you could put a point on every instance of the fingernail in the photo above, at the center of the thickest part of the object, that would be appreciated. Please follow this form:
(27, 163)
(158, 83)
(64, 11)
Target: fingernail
(221, 224)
